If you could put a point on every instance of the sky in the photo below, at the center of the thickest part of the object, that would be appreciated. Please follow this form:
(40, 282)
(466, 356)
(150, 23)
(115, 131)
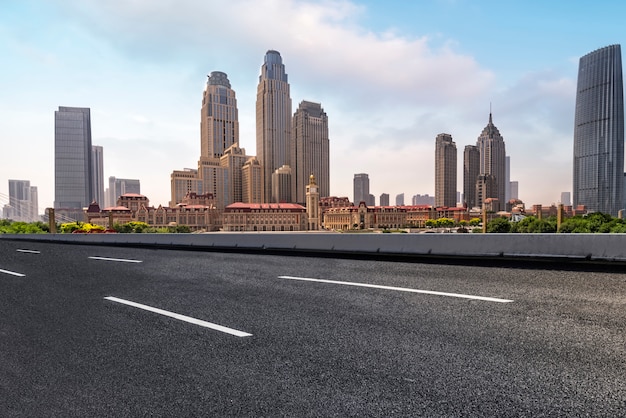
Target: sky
(390, 75)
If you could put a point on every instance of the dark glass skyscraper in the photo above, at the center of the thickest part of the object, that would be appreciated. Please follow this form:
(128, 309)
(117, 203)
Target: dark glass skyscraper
(599, 132)
(73, 171)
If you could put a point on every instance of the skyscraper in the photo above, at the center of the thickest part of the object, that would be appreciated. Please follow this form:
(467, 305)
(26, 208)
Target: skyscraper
(445, 171)
(273, 119)
(310, 155)
(23, 202)
(384, 199)
(493, 160)
(219, 121)
(361, 187)
(73, 169)
(599, 132)
(119, 187)
(471, 170)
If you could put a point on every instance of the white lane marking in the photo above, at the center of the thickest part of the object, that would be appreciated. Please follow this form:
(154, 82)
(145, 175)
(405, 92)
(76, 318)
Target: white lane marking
(12, 273)
(123, 260)
(401, 289)
(181, 317)
(28, 251)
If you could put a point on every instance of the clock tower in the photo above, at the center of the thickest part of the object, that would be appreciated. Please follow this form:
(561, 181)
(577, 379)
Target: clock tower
(312, 205)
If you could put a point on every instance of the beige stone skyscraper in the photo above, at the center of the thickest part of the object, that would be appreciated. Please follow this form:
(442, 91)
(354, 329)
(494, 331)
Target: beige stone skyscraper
(251, 181)
(493, 158)
(219, 120)
(273, 120)
(310, 153)
(233, 161)
(445, 171)
(219, 130)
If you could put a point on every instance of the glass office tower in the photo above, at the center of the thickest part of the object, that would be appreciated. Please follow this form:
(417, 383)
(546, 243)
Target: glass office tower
(599, 132)
(73, 171)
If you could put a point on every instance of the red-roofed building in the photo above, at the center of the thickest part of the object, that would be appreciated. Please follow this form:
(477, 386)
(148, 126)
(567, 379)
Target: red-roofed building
(264, 217)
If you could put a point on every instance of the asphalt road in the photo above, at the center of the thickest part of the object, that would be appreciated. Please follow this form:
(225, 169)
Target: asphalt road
(94, 331)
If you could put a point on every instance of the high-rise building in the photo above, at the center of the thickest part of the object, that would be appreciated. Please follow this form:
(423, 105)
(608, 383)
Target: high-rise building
(119, 187)
(486, 188)
(507, 179)
(183, 182)
(384, 199)
(361, 187)
(400, 199)
(73, 169)
(599, 132)
(310, 154)
(493, 160)
(281, 185)
(219, 120)
(98, 174)
(471, 170)
(514, 189)
(23, 202)
(273, 119)
(251, 181)
(233, 161)
(566, 199)
(445, 171)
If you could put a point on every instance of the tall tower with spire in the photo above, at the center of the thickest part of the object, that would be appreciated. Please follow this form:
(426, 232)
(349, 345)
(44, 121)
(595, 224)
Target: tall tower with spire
(493, 159)
(273, 120)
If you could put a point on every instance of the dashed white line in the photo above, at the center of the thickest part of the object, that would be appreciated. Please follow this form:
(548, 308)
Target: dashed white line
(12, 273)
(180, 317)
(28, 251)
(401, 289)
(122, 260)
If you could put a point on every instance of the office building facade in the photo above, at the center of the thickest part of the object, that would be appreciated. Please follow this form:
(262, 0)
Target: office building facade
(310, 150)
(599, 132)
(361, 188)
(445, 171)
(471, 170)
(119, 187)
(273, 120)
(73, 163)
(23, 202)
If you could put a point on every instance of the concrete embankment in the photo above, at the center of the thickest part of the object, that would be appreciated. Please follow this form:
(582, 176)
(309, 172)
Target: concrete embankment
(603, 248)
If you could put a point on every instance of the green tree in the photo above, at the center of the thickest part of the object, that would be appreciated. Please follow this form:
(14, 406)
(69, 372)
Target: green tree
(499, 225)
(430, 223)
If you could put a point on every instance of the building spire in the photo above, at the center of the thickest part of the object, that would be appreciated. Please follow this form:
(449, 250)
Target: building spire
(490, 120)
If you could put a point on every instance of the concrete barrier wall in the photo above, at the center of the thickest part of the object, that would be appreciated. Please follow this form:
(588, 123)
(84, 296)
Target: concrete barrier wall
(598, 247)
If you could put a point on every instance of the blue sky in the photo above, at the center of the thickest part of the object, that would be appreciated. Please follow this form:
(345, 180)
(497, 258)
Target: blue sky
(390, 75)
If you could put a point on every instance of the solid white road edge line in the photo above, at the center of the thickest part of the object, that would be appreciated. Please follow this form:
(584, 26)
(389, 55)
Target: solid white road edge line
(123, 260)
(181, 317)
(28, 251)
(12, 273)
(401, 289)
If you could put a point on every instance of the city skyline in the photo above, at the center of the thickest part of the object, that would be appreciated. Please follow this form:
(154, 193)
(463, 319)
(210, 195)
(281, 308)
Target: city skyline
(141, 83)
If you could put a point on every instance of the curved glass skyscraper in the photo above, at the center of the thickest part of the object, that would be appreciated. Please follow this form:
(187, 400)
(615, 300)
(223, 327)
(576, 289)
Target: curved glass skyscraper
(599, 132)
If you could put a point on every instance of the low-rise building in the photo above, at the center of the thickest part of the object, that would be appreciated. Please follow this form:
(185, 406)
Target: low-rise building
(264, 217)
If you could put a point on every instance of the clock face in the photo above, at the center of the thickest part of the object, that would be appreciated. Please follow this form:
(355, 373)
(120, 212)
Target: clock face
(313, 189)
